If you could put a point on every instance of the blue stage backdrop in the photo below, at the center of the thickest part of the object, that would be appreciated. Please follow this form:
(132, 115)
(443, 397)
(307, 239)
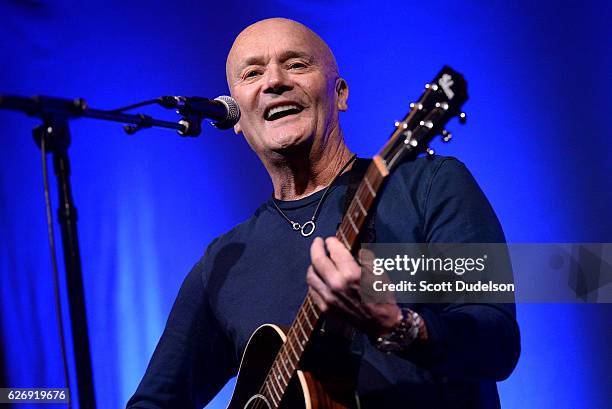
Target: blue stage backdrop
(536, 140)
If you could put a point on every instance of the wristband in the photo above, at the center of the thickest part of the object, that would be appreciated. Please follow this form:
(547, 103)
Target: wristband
(403, 334)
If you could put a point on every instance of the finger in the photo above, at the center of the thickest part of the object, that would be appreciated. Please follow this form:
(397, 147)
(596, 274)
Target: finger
(339, 254)
(319, 302)
(319, 286)
(322, 264)
(343, 260)
(325, 297)
(335, 290)
(366, 256)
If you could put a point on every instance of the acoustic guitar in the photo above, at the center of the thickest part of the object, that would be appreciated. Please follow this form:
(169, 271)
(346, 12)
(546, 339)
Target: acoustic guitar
(270, 374)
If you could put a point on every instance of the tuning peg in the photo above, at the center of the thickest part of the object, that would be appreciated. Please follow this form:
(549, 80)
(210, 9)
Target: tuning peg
(442, 105)
(430, 151)
(427, 124)
(402, 125)
(462, 118)
(446, 136)
(416, 105)
(409, 140)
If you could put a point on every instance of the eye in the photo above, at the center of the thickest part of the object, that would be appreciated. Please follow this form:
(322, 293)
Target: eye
(297, 65)
(250, 74)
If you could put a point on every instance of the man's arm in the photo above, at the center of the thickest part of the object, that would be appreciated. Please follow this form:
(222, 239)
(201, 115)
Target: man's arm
(193, 359)
(478, 341)
(470, 341)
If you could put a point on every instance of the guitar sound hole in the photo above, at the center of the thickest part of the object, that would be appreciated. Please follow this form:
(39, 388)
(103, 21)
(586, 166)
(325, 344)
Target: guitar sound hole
(258, 402)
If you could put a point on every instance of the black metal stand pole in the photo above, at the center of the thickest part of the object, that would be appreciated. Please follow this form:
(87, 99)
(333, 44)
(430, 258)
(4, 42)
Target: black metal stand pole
(55, 113)
(57, 139)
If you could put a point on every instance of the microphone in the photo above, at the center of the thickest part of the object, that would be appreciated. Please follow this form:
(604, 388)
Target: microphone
(223, 110)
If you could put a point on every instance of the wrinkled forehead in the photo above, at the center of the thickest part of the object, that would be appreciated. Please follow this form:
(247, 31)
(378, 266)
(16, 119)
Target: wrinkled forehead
(281, 39)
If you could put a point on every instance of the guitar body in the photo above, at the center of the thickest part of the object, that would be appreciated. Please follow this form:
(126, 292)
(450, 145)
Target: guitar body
(305, 391)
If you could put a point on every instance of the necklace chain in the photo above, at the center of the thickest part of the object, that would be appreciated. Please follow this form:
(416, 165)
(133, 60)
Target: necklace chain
(309, 227)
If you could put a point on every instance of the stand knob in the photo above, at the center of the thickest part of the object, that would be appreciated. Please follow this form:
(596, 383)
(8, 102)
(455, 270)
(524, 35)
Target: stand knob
(446, 136)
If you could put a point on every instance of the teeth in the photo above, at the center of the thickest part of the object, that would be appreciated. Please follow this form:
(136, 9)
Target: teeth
(281, 108)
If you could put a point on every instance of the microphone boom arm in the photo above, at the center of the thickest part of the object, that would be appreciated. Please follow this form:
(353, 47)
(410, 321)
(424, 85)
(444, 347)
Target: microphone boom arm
(47, 107)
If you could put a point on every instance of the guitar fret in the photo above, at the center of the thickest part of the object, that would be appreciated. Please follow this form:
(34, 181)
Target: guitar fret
(280, 376)
(310, 326)
(364, 203)
(268, 394)
(343, 237)
(275, 396)
(284, 363)
(288, 363)
(364, 197)
(275, 383)
(314, 310)
(297, 357)
(301, 345)
(367, 182)
(281, 388)
(301, 329)
(304, 312)
(358, 201)
(353, 223)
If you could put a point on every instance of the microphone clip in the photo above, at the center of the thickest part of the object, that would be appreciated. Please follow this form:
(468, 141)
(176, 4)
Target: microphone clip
(192, 124)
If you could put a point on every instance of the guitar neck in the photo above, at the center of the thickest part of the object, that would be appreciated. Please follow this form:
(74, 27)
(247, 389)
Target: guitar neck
(305, 322)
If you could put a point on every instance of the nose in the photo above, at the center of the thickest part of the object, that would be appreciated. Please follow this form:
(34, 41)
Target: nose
(277, 80)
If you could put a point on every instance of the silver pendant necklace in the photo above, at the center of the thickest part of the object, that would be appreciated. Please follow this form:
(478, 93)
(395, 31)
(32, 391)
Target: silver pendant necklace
(309, 227)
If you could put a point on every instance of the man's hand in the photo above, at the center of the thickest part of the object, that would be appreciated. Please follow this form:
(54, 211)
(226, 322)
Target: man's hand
(334, 282)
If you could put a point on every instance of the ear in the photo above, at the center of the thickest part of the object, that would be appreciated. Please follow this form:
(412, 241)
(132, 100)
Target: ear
(342, 91)
(237, 129)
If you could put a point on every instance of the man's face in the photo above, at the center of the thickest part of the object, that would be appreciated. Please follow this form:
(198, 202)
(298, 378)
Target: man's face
(285, 81)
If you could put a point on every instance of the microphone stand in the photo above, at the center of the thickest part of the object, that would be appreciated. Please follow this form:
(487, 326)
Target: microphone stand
(55, 114)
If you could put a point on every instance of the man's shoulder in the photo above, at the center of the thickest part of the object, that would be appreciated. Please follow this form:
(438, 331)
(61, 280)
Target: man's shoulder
(426, 165)
(422, 171)
(238, 233)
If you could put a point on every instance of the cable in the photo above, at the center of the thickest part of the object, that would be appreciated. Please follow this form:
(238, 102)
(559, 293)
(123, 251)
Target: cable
(52, 248)
(139, 104)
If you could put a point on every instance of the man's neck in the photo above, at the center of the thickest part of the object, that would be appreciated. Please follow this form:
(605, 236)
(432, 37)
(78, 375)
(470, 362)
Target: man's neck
(302, 175)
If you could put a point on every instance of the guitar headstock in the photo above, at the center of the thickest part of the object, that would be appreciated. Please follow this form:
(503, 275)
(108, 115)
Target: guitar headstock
(440, 102)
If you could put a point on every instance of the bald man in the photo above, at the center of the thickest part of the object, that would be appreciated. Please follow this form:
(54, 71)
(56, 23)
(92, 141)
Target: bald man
(287, 83)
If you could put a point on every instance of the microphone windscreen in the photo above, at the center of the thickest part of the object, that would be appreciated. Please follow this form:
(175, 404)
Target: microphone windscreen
(233, 112)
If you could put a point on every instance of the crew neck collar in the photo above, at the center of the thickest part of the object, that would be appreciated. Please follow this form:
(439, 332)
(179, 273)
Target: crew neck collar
(312, 198)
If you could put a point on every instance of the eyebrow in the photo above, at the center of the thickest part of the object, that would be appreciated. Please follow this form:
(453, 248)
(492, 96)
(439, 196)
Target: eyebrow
(284, 56)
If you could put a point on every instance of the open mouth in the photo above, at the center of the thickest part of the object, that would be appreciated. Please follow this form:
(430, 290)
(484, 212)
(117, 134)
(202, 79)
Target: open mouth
(281, 111)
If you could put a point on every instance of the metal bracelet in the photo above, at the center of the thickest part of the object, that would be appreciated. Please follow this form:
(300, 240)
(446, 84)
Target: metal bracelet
(403, 335)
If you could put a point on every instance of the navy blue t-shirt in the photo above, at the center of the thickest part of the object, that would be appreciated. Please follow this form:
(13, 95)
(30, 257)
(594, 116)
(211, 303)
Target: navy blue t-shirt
(255, 274)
